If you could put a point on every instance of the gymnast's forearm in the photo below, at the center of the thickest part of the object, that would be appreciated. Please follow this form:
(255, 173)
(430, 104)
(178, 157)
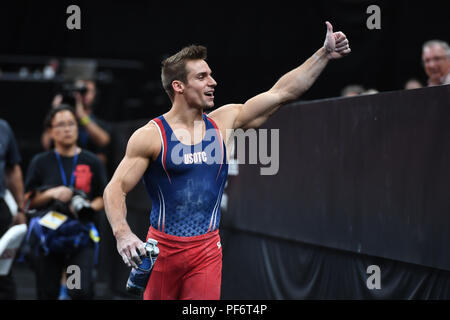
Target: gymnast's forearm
(294, 83)
(115, 208)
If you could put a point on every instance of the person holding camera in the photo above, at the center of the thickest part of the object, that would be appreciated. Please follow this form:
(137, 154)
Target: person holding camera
(93, 132)
(65, 184)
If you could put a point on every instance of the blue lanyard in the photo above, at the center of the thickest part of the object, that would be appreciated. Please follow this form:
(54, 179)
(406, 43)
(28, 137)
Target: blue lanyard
(61, 169)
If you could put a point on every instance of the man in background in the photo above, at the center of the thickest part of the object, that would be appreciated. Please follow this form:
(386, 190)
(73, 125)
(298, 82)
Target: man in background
(436, 62)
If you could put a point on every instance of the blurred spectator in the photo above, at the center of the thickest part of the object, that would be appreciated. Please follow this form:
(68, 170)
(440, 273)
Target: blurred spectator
(51, 69)
(352, 90)
(370, 91)
(413, 84)
(70, 181)
(93, 132)
(10, 178)
(436, 62)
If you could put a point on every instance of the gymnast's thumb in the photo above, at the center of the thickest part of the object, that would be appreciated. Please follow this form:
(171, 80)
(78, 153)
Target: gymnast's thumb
(329, 27)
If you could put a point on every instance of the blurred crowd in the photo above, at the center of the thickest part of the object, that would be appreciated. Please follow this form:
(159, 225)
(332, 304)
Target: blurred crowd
(59, 198)
(436, 64)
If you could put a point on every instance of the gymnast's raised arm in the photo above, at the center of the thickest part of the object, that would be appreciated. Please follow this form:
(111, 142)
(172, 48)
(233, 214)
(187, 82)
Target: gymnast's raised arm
(289, 87)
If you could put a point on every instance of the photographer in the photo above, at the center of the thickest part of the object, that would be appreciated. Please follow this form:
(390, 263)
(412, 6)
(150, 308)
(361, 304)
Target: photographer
(69, 180)
(93, 132)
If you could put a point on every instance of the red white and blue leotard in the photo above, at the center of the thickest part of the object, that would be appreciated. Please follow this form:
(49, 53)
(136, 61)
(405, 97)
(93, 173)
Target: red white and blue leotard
(186, 182)
(186, 185)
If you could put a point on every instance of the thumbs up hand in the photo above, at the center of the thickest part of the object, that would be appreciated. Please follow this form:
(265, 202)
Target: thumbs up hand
(336, 43)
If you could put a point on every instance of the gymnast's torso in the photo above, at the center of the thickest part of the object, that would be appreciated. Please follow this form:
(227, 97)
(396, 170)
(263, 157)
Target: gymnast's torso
(186, 182)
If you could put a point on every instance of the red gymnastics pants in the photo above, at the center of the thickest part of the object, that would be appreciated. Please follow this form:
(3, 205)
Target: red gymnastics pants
(187, 268)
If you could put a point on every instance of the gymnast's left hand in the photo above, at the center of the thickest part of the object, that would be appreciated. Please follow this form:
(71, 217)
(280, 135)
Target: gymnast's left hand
(336, 43)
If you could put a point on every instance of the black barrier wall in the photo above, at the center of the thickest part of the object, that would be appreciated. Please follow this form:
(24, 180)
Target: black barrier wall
(259, 267)
(367, 174)
(362, 181)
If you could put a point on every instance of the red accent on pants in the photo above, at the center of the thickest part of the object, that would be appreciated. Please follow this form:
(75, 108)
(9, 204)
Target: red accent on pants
(187, 268)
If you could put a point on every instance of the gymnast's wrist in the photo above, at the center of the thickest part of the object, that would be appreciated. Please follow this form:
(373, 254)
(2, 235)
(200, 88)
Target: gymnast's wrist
(121, 230)
(324, 53)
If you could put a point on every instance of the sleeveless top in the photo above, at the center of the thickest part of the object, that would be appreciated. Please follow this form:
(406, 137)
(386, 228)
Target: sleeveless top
(186, 182)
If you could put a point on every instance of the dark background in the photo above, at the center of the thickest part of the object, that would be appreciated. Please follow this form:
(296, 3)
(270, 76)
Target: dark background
(251, 44)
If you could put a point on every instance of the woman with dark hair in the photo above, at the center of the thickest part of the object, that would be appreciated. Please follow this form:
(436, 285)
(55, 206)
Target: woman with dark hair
(53, 180)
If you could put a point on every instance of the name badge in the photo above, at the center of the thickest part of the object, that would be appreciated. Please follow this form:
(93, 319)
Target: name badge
(53, 220)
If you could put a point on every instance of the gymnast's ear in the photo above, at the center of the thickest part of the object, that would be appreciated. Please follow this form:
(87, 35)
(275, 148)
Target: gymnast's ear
(178, 86)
